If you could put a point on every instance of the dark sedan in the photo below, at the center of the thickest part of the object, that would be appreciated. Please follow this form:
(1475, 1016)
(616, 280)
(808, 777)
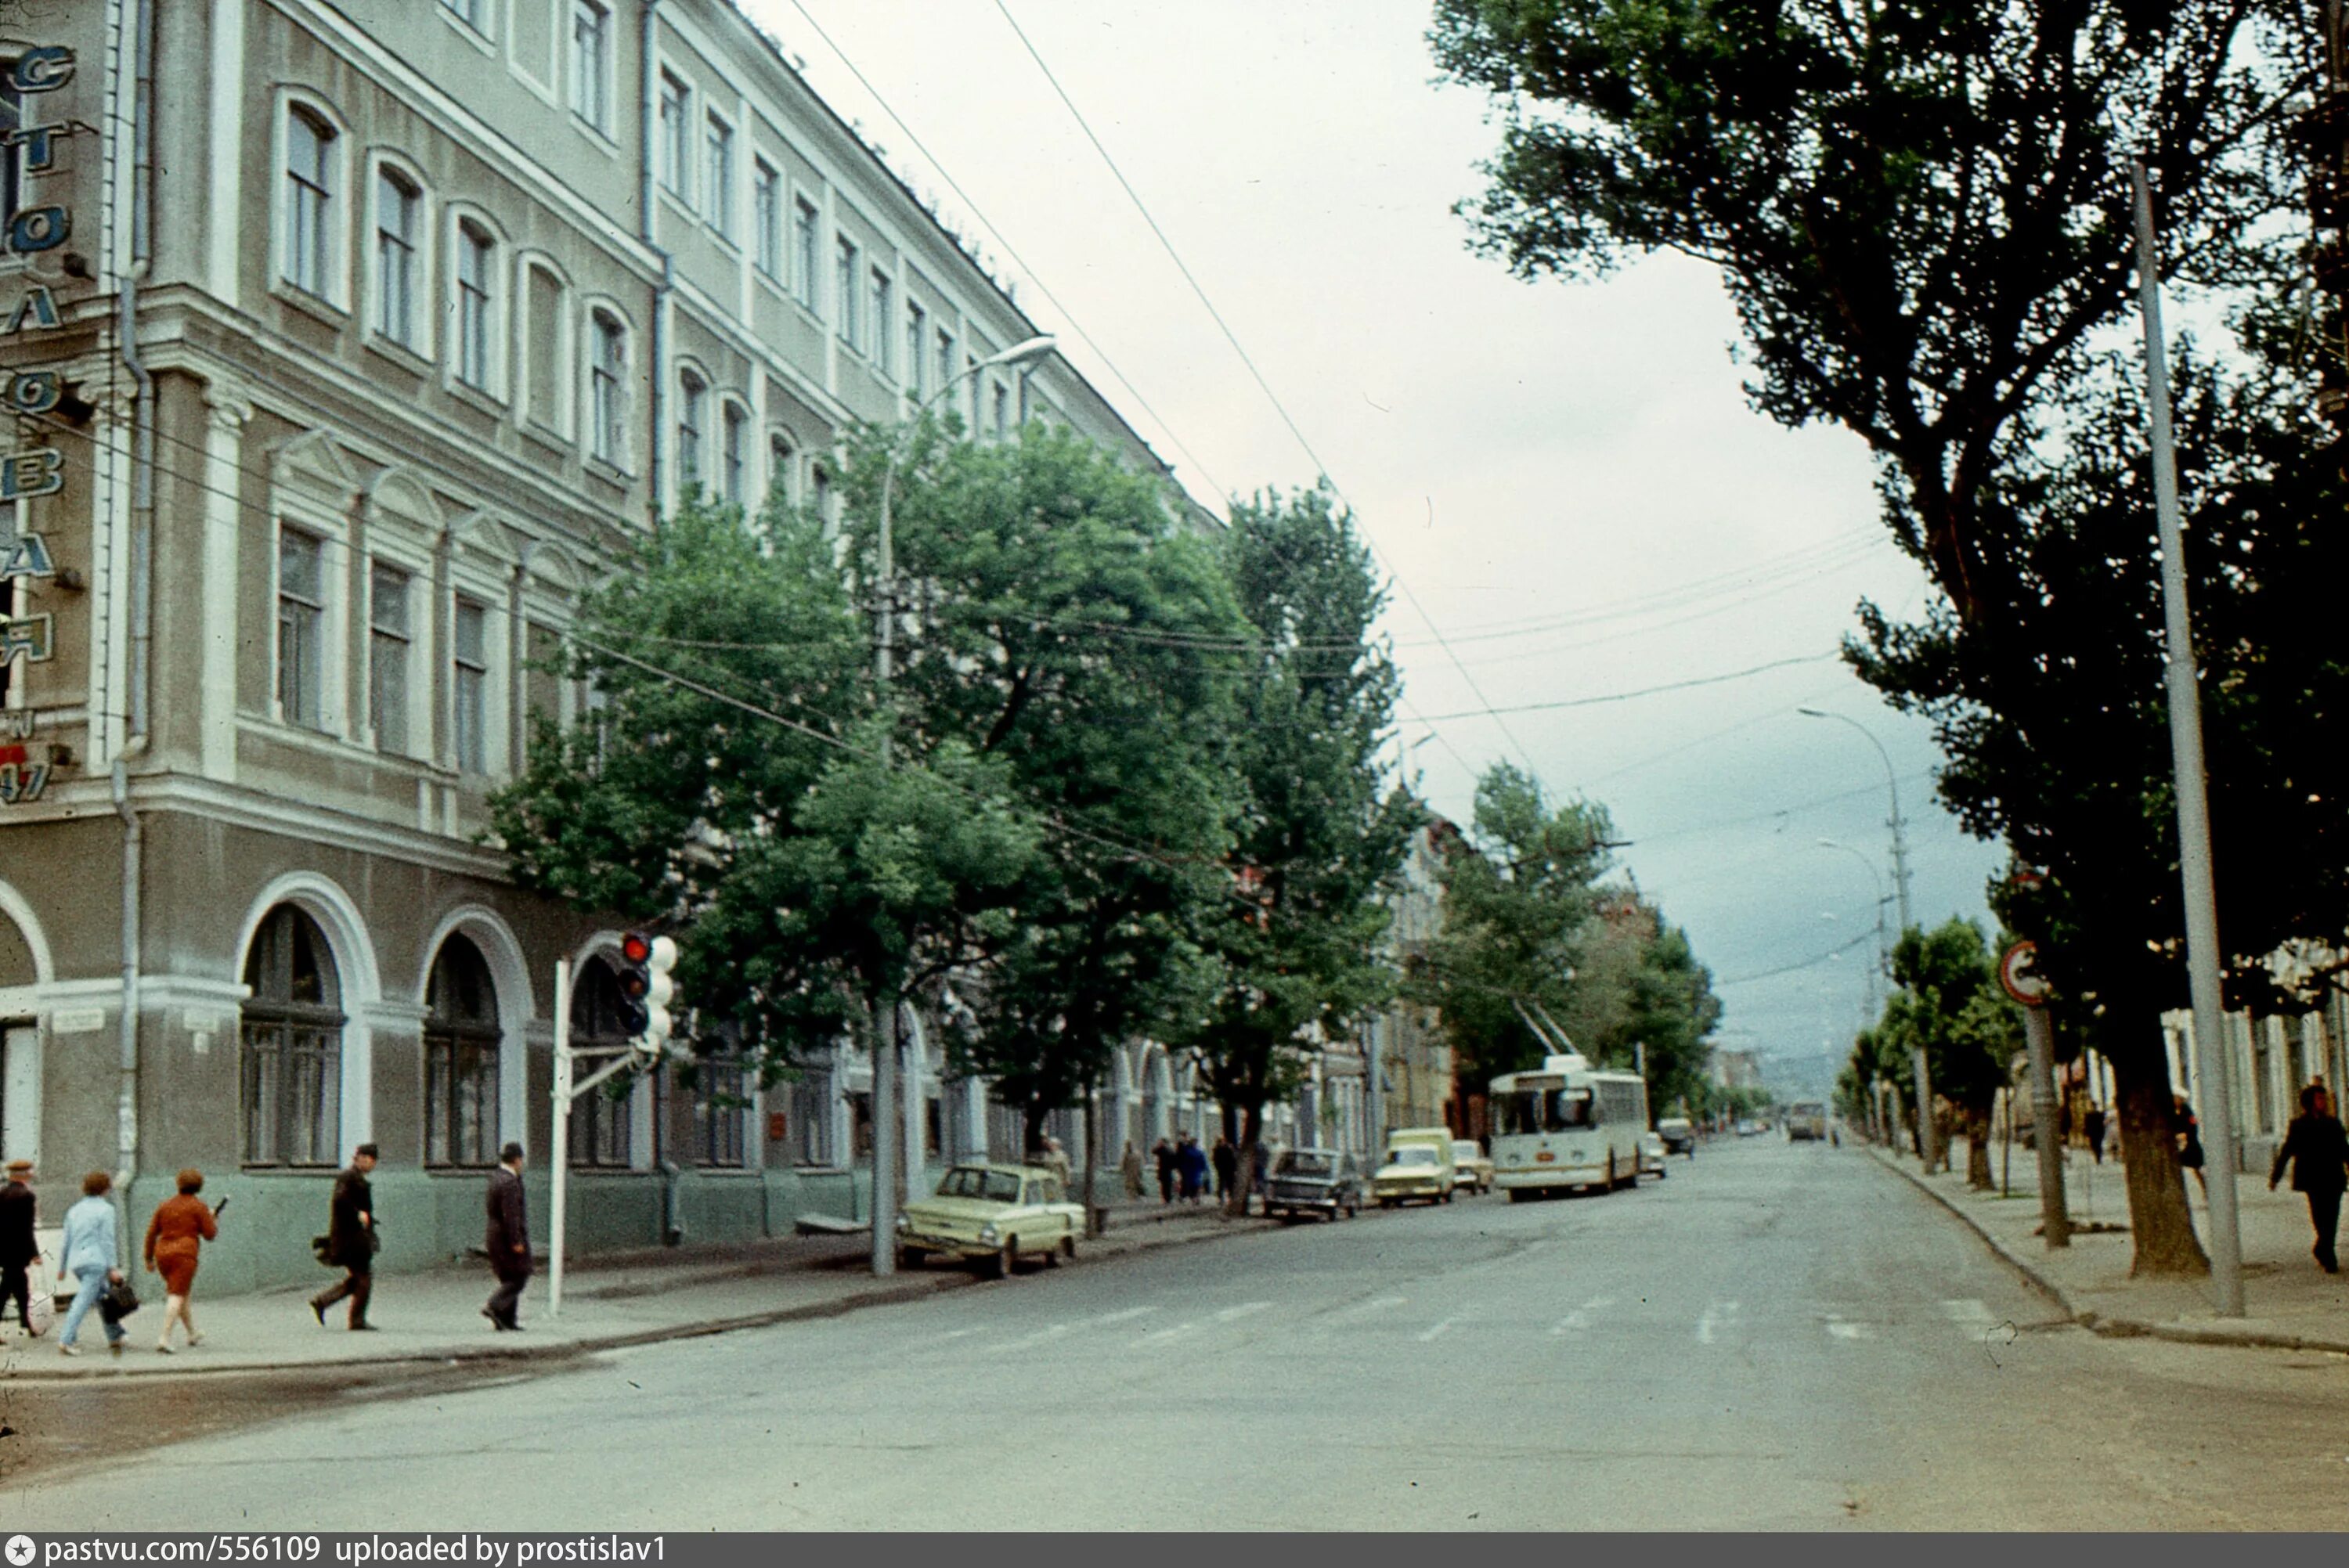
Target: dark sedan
(1310, 1181)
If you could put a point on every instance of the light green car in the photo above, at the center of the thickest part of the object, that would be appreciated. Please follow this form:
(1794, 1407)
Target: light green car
(1000, 1216)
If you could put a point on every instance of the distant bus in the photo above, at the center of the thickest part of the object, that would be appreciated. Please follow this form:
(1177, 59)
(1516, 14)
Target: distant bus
(1565, 1126)
(1807, 1121)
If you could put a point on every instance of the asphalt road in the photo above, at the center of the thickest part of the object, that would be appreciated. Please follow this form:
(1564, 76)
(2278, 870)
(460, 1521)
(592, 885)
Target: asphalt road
(1777, 1336)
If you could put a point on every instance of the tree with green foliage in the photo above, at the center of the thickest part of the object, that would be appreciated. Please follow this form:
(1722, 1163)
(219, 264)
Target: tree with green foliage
(1922, 216)
(1292, 954)
(1066, 625)
(1951, 1004)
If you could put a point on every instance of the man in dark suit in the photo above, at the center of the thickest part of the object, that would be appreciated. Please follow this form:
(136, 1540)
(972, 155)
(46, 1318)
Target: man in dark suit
(508, 1241)
(17, 1247)
(2317, 1149)
(350, 1240)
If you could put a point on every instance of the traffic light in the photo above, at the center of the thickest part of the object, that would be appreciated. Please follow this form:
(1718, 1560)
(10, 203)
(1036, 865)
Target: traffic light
(646, 990)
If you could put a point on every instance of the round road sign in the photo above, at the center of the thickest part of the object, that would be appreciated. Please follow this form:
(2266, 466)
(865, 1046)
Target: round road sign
(2016, 974)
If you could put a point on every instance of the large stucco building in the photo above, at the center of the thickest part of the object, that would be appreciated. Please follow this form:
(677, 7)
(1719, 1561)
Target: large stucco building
(347, 341)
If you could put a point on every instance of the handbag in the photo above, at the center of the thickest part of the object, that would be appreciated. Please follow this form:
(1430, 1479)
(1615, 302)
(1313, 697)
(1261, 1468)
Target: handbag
(43, 1298)
(119, 1300)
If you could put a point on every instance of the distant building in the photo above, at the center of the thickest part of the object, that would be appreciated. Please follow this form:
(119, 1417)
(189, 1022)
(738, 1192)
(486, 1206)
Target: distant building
(1736, 1069)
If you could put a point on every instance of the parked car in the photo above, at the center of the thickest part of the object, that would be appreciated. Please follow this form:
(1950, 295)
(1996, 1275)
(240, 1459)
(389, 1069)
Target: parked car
(1679, 1135)
(999, 1216)
(1471, 1168)
(1314, 1181)
(1653, 1155)
(1418, 1166)
(1748, 1128)
(1806, 1122)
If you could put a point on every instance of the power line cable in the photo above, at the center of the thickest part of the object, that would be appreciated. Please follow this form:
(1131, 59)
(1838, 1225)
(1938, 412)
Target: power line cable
(1790, 968)
(1646, 691)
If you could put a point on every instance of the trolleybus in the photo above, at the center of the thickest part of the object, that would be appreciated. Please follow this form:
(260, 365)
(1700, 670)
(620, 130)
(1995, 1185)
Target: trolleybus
(1565, 1126)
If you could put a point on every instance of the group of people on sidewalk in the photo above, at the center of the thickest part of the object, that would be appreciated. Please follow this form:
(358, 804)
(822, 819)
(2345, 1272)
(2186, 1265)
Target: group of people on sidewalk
(1184, 1168)
(91, 1251)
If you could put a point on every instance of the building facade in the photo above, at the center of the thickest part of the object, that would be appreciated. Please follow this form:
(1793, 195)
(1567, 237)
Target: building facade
(345, 343)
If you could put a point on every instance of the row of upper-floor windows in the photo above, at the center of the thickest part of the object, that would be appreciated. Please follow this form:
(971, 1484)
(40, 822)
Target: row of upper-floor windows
(585, 49)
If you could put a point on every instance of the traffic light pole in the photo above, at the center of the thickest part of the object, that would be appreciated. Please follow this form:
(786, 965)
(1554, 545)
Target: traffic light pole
(566, 1089)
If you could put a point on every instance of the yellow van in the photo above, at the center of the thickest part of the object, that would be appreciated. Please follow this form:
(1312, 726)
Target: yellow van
(1418, 1166)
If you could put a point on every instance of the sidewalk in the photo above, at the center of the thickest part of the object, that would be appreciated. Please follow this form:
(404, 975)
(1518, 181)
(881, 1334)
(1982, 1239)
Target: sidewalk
(609, 1301)
(2290, 1304)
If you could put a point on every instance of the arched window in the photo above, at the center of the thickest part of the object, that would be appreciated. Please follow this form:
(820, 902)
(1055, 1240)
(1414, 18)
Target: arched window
(399, 208)
(461, 1059)
(309, 202)
(692, 413)
(293, 1044)
(476, 255)
(779, 459)
(600, 1125)
(734, 427)
(607, 368)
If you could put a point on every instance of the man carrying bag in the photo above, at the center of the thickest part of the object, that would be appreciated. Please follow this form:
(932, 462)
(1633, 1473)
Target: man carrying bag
(350, 1243)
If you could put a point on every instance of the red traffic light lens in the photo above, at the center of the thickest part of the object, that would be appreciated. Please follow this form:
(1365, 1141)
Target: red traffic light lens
(636, 947)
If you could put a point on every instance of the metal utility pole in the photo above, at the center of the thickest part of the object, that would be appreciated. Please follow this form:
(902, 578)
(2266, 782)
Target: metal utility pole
(1928, 1143)
(2184, 690)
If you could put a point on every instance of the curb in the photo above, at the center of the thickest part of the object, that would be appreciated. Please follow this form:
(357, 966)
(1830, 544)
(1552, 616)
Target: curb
(2098, 1323)
(930, 1283)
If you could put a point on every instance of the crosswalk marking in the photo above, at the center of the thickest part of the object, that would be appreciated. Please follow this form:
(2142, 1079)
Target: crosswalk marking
(1164, 1335)
(1969, 1311)
(1029, 1342)
(1717, 1317)
(1130, 1313)
(1234, 1314)
(1577, 1320)
(1376, 1304)
(1438, 1331)
(1843, 1328)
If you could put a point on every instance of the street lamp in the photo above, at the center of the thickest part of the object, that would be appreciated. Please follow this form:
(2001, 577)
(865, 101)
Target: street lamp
(1928, 1141)
(888, 1121)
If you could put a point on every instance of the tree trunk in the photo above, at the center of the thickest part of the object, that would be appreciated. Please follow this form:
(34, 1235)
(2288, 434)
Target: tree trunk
(2161, 1227)
(1978, 1174)
(1031, 1129)
(1251, 1127)
(1092, 1160)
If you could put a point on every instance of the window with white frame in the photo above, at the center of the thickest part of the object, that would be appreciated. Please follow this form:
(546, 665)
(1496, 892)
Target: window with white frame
(399, 208)
(945, 357)
(606, 395)
(733, 435)
(301, 628)
(476, 256)
(310, 157)
(601, 1126)
(916, 335)
(718, 172)
(1002, 410)
(804, 228)
(542, 346)
(781, 458)
(721, 1112)
(390, 642)
(675, 139)
(692, 411)
(843, 290)
(461, 1037)
(883, 328)
(820, 492)
(808, 1123)
(590, 63)
(767, 219)
(290, 1033)
(468, 686)
(474, 14)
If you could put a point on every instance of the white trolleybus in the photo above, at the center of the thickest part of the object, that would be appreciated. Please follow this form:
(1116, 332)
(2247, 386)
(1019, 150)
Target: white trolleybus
(1567, 1125)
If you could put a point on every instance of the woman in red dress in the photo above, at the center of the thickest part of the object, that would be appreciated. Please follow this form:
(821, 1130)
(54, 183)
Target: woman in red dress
(174, 1237)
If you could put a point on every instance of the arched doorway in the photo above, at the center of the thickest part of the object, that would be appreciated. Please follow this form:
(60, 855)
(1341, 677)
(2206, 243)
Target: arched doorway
(291, 1041)
(461, 1050)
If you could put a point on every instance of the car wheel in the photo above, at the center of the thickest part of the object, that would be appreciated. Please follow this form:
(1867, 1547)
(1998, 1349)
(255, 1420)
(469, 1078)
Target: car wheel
(1067, 1251)
(1005, 1262)
(910, 1257)
(1447, 1195)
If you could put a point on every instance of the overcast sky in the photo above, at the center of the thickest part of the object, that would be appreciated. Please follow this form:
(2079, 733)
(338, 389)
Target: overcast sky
(1563, 479)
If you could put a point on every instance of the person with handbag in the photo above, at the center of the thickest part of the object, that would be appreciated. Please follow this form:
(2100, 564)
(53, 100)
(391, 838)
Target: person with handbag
(18, 1247)
(175, 1236)
(94, 1259)
(349, 1243)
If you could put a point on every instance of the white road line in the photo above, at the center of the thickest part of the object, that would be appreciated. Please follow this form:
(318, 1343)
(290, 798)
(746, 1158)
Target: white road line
(1377, 1304)
(1130, 1313)
(1969, 1311)
(1717, 1317)
(957, 1334)
(1841, 1329)
(1029, 1342)
(1577, 1320)
(1164, 1335)
(1438, 1331)
(1234, 1314)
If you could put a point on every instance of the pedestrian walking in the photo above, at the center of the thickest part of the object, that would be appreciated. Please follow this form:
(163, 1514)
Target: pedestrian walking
(2318, 1152)
(350, 1242)
(1169, 1166)
(1227, 1167)
(2093, 1125)
(1129, 1170)
(1195, 1169)
(1056, 1159)
(2188, 1131)
(93, 1256)
(18, 1247)
(507, 1240)
(175, 1239)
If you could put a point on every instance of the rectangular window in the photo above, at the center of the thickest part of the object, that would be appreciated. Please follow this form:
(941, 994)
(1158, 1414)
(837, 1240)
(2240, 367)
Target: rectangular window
(779, 467)
(676, 147)
(388, 649)
(601, 1129)
(1002, 411)
(605, 368)
(717, 169)
(474, 14)
(721, 1112)
(803, 235)
(843, 290)
(472, 307)
(734, 432)
(916, 335)
(301, 610)
(292, 1091)
(461, 1098)
(767, 217)
(945, 357)
(396, 204)
(309, 231)
(591, 62)
(469, 687)
(542, 318)
(882, 329)
(691, 408)
(808, 1123)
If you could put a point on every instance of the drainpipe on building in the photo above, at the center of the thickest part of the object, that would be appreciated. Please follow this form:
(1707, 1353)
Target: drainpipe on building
(656, 380)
